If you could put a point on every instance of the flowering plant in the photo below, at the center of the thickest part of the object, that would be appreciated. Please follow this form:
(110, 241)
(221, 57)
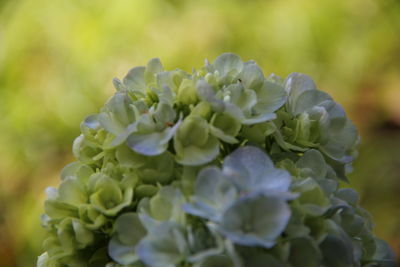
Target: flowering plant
(221, 167)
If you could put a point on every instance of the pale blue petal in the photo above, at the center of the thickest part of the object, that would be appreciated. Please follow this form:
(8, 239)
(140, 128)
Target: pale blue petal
(153, 143)
(252, 170)
(255, 220)
(165, 246)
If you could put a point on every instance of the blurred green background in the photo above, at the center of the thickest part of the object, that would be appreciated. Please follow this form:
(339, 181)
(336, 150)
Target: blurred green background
(57, 60)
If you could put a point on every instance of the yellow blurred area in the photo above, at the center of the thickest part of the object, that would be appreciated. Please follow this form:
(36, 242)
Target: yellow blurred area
(57, 60)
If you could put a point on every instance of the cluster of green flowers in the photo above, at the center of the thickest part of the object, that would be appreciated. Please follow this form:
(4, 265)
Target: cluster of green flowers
(222, 167)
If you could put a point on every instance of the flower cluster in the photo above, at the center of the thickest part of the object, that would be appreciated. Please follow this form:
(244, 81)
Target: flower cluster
(221, 167)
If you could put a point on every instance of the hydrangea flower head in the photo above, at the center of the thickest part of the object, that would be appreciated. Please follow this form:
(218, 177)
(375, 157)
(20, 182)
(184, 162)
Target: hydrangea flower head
(223, 166)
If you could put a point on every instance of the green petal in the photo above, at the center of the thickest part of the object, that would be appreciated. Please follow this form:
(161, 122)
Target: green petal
(121, 137)
(157, 169)
(225, 127)
(109, 198)
(193, 156)
(129, 228)
(304, 252)
(252, 76)
(194, 131)
(76, 170)
(90, 217)
(134, 80)
(258, 132)
(118, 85)
(128, 158)
(312, 197)
(117, 114)
(145, 190)
(296, 84)
(165, 80)
(58, 210)
(243, 98)
(228, 62)
(187, 92)
(153, 67)
(164, 114)
(202, 109)
(270, 97)
(314, 162)
(262, 259)
(166, 205)
(216, 261)
(193, 143)
(206, 93)
(73, 192)
(43, 260)
(83, 236)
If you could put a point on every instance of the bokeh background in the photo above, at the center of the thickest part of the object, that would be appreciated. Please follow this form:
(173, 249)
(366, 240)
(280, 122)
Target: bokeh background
(57, 60)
